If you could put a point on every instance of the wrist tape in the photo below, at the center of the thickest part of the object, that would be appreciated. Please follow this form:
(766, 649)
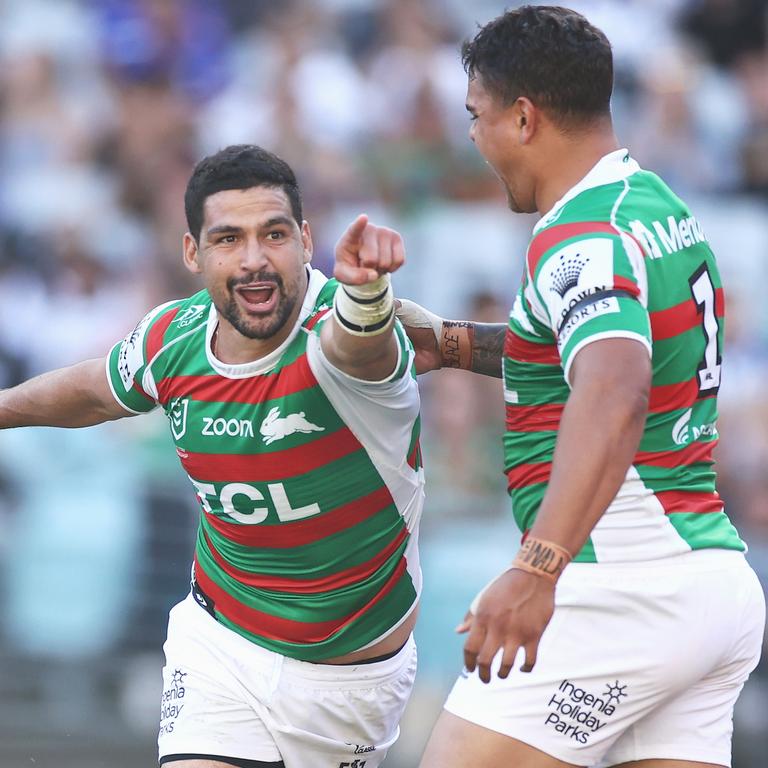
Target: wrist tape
(365, 310)
(542, 558)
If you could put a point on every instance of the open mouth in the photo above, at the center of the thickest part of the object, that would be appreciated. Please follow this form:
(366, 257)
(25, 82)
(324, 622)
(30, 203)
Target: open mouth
(258, 298)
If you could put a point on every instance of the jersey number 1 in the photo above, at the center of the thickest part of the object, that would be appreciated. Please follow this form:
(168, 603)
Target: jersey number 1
(704, 295)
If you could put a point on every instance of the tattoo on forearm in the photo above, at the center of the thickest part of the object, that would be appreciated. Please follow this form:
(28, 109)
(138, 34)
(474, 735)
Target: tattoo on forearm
(473, 347)
(488, 348)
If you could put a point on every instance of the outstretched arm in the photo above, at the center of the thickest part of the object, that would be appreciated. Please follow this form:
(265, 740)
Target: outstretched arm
(359, 338)
(439, 343)
(77, 396)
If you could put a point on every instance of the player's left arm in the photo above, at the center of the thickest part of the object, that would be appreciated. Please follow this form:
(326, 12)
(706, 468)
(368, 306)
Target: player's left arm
(600, 321)
(600, 431)
(462, 344)
(359, 338)
(599, 434)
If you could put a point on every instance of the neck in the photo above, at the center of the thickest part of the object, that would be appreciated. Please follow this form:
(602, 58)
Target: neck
(569, 161)
(233, 348)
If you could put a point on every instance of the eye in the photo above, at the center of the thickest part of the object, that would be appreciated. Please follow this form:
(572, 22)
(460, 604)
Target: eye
(228, 239)
(275, 236)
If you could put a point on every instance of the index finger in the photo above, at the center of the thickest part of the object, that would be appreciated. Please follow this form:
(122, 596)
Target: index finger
(370, 247)
(354, 231)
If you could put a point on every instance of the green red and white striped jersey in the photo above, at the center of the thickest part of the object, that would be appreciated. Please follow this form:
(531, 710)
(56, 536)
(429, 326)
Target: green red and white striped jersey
(621, 256)
(310, 481)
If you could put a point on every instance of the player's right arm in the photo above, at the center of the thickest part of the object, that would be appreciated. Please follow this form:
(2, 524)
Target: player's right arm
(94, 391)
(77, 396)
(439, 343)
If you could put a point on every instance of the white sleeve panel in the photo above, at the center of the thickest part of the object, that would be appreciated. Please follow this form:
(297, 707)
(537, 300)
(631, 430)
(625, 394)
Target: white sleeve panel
(381, 415)
(637, 263)
(573, 273)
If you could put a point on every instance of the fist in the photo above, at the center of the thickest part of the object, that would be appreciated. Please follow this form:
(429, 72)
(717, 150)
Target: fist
(366, 251)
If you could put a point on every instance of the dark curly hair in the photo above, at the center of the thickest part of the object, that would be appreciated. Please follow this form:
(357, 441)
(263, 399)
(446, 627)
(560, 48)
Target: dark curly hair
(549, 54)
(239, 166)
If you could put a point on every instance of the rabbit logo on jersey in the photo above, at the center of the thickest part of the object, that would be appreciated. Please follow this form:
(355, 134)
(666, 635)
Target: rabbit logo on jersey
(276, 427)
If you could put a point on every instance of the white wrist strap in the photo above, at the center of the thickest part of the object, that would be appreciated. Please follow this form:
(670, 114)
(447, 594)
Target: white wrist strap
(365, 310)
(414, 315)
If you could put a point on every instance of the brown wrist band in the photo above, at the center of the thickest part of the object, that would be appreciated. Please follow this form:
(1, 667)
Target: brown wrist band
(542, 558)
(456, 342)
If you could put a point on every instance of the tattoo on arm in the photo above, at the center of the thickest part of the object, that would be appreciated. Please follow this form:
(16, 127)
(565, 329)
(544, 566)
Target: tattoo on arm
(488, 348)
(473, 347)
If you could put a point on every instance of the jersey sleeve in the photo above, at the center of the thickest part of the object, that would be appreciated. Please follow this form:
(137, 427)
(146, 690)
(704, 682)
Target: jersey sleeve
(404, 367)
(588, 289)
(384, 415)
(324, 310)
(128, 360)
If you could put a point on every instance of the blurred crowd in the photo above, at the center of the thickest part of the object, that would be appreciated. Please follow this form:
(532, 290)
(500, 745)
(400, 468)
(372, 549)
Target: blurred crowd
(105, 106)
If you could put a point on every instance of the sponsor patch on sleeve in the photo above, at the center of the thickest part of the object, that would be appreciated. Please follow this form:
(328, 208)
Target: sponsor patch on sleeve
(130, 357)
(590, 310)
(573, 274)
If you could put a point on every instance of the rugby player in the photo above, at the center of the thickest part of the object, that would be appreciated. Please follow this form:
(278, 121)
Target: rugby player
(293, 406)
(629, 619)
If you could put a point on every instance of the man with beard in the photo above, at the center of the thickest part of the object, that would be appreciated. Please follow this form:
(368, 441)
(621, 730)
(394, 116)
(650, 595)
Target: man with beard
(294, 410)
(629, 619)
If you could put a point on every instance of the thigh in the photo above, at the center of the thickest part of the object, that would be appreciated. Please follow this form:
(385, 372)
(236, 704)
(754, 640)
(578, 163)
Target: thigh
(695, 725)
(457, 743)
(572, 706)
(210, 710)
(622, 643)
(327, 716)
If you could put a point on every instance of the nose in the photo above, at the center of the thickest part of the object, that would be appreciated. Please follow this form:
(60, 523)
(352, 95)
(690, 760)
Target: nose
(472, 127)
(253, 257)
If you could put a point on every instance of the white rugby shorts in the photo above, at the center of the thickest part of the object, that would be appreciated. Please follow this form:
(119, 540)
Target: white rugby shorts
(640, 661)
(225, 696)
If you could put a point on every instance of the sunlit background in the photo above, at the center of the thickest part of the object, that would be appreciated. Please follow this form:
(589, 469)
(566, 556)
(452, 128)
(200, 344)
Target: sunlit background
(104, 108)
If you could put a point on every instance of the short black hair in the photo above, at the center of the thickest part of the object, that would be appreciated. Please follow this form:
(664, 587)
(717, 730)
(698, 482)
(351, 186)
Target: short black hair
(239, 166)
(549, 54)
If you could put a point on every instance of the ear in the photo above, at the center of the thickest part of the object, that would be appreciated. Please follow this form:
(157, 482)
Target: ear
(191, 254)
(306, 239)
(527, 118)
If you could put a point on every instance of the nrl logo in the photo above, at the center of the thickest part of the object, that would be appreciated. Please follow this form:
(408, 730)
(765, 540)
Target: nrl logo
(177, 414)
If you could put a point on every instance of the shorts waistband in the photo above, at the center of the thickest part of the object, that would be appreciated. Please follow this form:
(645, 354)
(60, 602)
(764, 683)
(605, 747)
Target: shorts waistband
(704, 559)
(375, 659)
